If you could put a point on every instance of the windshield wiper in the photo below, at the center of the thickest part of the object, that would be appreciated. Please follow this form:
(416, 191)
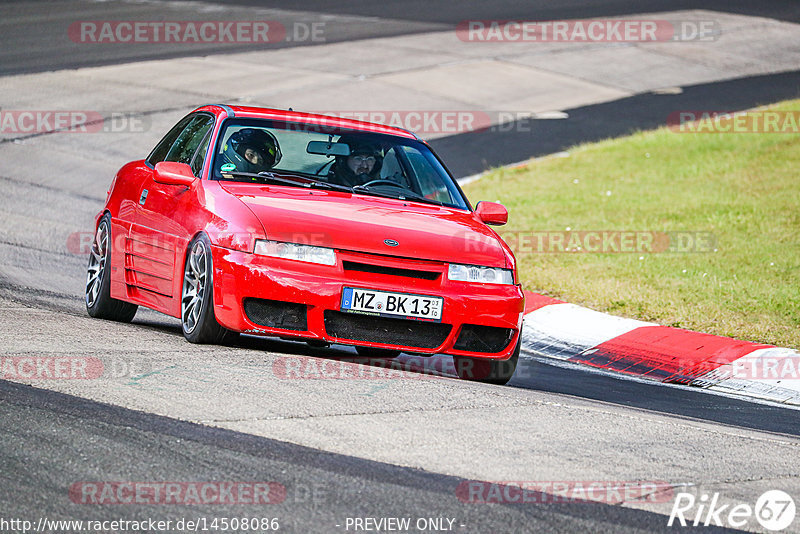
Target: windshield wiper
(327, 185)
(267, 176)
(405, 194)
(271, 177)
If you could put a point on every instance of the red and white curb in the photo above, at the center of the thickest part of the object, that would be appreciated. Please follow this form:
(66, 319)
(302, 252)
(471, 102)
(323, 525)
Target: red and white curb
(562, 331)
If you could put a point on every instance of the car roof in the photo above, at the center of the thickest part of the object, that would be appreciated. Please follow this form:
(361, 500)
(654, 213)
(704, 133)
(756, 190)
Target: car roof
(309, 118)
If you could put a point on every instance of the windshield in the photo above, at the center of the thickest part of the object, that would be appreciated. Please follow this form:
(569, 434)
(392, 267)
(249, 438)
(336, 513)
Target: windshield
(365, 163)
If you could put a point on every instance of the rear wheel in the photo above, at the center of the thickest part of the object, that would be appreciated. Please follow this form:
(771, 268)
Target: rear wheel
(98, 299)
(372, 352)
(197, 296)
(489, 371)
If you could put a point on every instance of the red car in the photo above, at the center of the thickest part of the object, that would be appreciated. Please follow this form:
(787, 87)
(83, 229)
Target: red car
(326, 230)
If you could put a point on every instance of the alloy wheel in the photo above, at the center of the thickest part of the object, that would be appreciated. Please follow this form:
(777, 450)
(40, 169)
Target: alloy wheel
(97, 264)
(194, 286)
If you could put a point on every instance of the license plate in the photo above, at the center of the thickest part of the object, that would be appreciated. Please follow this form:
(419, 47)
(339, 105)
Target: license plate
(389, 304)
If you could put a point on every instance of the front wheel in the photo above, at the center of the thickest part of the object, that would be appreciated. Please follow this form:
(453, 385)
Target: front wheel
(98, 299)
(488, 371)
(197, 296)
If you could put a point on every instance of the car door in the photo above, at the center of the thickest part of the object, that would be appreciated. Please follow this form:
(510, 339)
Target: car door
(159, 229)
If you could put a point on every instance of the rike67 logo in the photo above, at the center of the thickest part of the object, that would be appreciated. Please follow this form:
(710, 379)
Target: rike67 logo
(774, 510)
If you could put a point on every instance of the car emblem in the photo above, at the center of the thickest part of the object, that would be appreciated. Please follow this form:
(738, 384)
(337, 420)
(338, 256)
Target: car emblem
(391, 242)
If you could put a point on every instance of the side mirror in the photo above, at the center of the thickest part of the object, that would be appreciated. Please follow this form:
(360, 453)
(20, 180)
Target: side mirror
(492, 213)
(174, 173)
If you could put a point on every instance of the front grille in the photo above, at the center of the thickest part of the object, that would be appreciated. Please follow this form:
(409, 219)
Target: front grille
(404, 332)
(395, 271)
(476, 338)
(277, 314)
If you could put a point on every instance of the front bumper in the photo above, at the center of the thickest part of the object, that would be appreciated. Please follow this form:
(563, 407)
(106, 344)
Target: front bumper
(240, 277)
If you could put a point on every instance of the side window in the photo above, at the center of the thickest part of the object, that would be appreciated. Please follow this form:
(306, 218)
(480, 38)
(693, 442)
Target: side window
(391, 170)
(430, 182)
(184, 147)
(200, 156)
(160, 151)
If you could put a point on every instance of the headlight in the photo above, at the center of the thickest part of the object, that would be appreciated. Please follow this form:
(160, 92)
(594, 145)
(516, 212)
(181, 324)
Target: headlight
(483, 275)
(293, 251)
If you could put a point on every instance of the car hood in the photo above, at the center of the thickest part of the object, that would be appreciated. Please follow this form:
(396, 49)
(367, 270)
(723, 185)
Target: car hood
(364, 224)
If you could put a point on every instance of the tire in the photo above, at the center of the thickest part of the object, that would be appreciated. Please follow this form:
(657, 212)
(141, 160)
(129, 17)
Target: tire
(372, 352)
(197, 296)
(97, 298)
(488, 371)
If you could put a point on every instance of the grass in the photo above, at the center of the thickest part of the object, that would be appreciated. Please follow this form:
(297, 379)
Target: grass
(743, 188)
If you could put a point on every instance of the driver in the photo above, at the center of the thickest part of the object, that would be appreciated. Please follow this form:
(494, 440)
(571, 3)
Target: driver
(361, 166)
(252, 150)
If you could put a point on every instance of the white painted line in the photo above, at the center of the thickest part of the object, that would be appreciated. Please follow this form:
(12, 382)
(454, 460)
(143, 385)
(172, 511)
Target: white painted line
(667, 91)
(550, 115)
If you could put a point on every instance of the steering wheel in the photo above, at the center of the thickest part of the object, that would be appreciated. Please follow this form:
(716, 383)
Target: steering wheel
(383, 181)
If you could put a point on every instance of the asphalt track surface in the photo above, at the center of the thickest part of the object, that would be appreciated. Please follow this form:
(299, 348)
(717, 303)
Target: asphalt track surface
(50, 439)
(322, 489)
(39, 42)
